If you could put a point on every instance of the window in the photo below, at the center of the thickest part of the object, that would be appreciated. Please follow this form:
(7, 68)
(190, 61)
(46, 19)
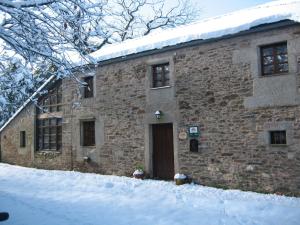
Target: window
(51, 102)
(274, 59)
(278, 137)
(88, 133)
(49, 133)
(89, 87)
(22, 139)
(161, 75)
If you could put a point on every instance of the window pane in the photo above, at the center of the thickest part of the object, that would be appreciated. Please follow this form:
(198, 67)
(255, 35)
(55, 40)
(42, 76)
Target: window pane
(267, 51)
(167, 76)
(268, 60)
(88, 89)
(46, 130)
(88, 133)
(53, 121)
(166, 83)
(159, 84)
(50, 100)
(160, 75)
(59, 121)
(274, 59)
(283, 67)
(49, 134)
(278, 137)
(22, 138)
(281, 58)
(268, 69)
(282, 49)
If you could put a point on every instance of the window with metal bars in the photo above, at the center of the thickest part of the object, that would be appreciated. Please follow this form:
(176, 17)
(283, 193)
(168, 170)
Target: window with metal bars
(49, 133)
(22, 139)
(274, 59)
(160, 75)
(88, 133)
(278, 137)
(89, 87)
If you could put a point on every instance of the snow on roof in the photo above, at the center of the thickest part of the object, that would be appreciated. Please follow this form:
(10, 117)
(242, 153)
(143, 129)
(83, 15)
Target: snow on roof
(27, 102)
(214, 27)
(219, 26)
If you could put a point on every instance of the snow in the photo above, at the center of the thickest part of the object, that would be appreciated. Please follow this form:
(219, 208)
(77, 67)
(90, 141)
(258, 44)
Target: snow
(180, 176)
(29, 100)
(204, 29)
(42, 197)
(138, 172)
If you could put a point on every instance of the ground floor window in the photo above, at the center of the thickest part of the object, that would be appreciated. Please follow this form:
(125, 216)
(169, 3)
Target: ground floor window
(22, 139)
(49, 133)
(278, 137)
(88, 133)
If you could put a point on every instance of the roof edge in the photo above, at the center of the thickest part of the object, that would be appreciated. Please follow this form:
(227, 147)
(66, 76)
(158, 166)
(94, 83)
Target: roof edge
(26, 102)
(255, 29)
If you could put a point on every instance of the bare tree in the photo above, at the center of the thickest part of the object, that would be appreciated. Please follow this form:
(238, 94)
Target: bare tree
(52, 30)
(39, 35)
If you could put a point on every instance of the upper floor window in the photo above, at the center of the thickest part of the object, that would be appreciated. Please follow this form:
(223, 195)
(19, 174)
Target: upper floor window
(274, 59)
(88, 87)
(161, 75)
(52, 100)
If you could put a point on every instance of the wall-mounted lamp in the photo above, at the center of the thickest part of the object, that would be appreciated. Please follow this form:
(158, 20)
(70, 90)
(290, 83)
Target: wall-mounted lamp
(158, 114)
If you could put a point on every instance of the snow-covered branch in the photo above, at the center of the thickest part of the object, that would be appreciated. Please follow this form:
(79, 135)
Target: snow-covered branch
(53, 36)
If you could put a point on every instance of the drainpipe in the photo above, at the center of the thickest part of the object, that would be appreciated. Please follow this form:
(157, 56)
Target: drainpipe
(0, 146)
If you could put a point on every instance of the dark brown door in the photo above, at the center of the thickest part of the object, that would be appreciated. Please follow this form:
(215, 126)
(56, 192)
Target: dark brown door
(163, 151)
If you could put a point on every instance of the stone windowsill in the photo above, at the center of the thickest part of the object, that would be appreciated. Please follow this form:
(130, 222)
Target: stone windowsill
(275, 75)
(45, 152)
(92, 146)
(157, 88)
(278, 145)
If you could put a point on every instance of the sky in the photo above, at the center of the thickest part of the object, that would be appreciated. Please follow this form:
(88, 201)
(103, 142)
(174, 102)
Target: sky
(210, 8)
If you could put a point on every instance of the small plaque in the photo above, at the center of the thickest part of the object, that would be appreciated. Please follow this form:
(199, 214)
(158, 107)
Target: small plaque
(194, 131)
(182, 135)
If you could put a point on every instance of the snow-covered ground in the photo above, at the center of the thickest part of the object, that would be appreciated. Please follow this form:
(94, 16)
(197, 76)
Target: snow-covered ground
(41, 197)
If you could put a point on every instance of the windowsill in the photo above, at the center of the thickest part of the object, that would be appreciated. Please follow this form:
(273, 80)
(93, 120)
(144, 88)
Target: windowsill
(44, 152)
(87, 97)
(274, 75)
(88, 146)
(163, 87)
(278, 145)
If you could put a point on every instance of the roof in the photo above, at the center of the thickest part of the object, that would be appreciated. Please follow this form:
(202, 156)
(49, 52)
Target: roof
(210, 28)
(215, 27)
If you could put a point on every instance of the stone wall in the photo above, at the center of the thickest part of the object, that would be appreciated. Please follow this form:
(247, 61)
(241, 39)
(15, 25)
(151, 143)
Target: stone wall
(234, 146)
(213, 86)
(11, 152)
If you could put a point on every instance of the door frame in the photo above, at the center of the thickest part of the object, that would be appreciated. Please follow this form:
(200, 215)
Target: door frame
(149, 148)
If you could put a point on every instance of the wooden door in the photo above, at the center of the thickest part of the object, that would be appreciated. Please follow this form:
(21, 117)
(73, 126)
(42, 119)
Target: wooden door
(163, 151)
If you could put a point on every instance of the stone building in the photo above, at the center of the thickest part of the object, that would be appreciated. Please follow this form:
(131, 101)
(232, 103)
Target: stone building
(224, 110)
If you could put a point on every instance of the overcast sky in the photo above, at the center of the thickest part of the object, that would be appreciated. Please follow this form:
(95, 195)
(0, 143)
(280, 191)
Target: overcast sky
(211, 8)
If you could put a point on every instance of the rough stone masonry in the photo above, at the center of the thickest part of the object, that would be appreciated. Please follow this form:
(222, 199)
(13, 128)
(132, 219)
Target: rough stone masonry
(215, 85)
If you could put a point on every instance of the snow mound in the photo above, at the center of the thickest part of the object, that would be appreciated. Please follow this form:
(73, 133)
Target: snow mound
(180, 176)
